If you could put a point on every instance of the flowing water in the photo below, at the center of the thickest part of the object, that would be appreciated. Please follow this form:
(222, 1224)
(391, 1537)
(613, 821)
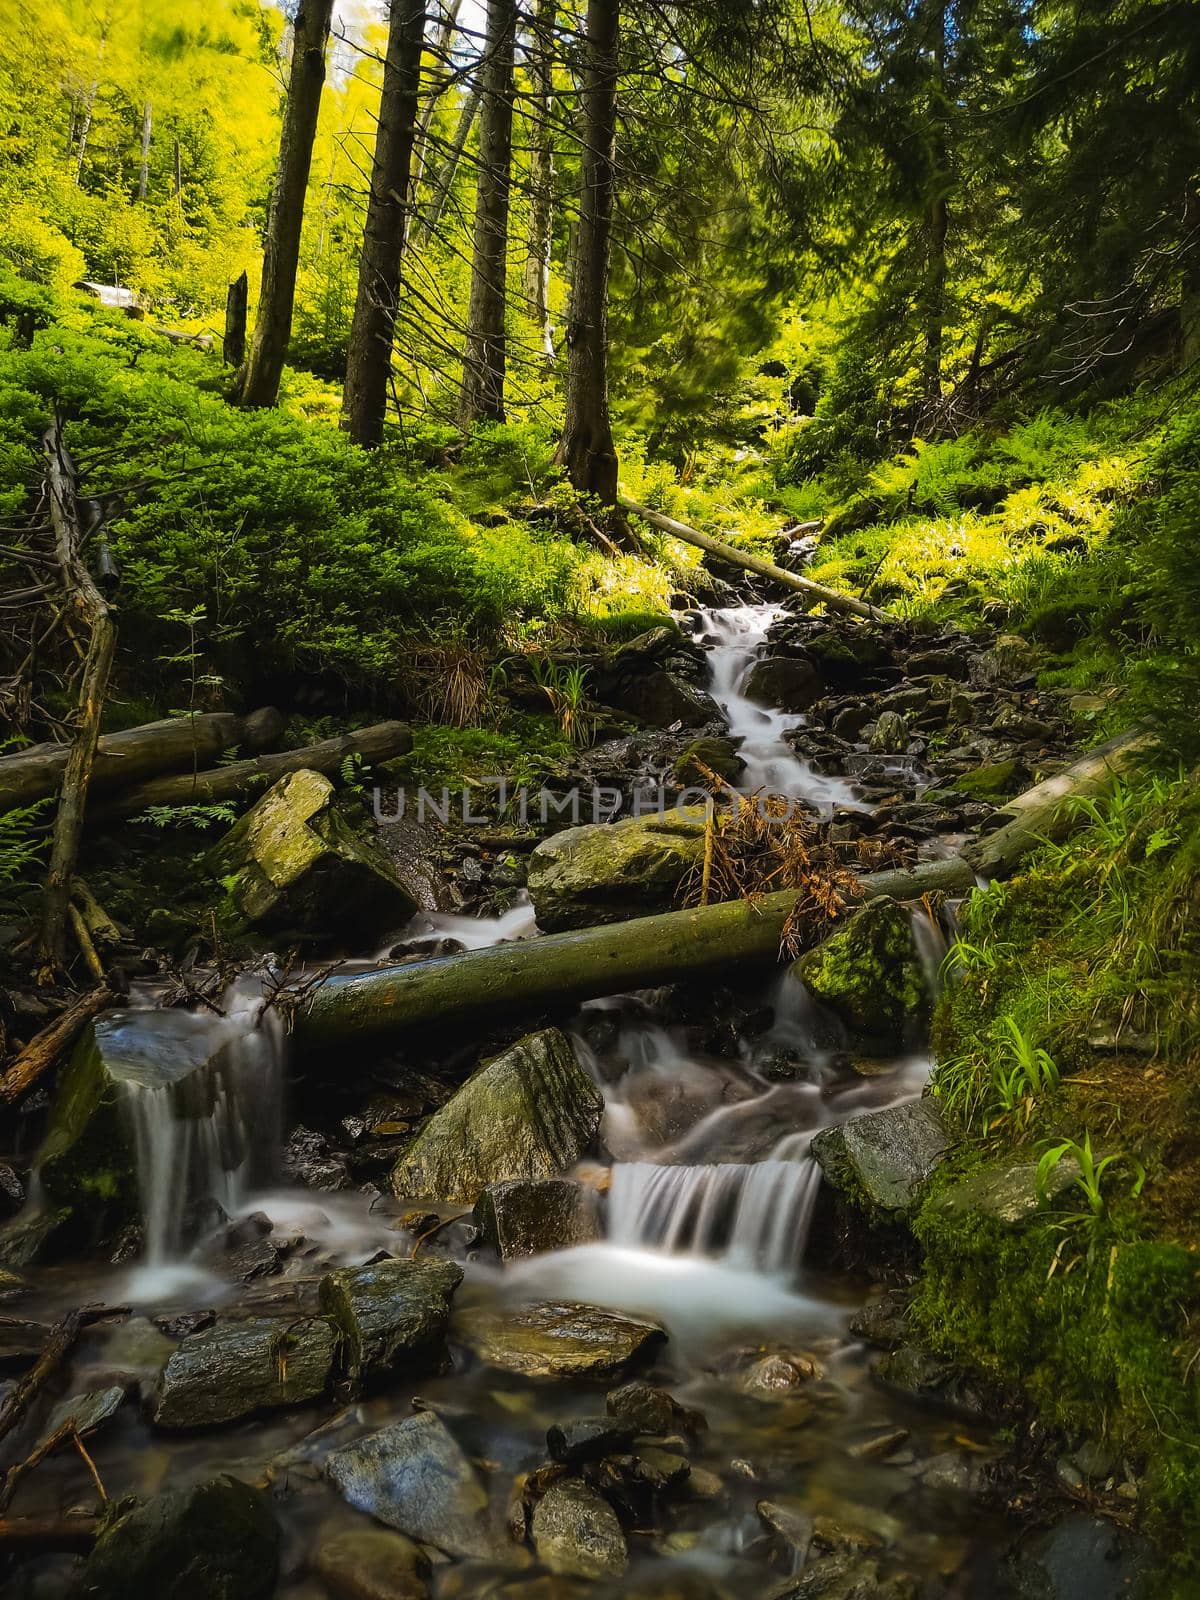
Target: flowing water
(711, 1200)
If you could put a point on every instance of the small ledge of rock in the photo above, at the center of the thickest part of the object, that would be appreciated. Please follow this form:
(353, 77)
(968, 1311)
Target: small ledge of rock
(524, 1217)
(392, 1314)
(239, 1367)
(557, 1339)
(528, 1113)
(882, 1160)
(1007, 1194)
(576, 1532)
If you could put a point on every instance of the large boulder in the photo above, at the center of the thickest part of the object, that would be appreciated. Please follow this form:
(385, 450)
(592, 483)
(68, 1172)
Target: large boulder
(611, 871)
(789, 682)
(295, 866)
(414, 1476)
(576, 1532)
(217, 1540)
(882, 1161)
(239, 1367)
(557, 1339)
(870, 975)
(657, 697)
(392, 1315)
(526, 1217)
(528, 1113)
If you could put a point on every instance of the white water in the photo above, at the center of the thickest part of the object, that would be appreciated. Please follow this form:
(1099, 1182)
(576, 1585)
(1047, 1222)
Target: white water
(735, 637)
(472, 933)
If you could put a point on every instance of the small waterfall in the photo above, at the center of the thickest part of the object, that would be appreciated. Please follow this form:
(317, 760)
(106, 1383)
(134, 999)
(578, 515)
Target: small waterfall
(736, 638)
(755, 1216)
(932, 947)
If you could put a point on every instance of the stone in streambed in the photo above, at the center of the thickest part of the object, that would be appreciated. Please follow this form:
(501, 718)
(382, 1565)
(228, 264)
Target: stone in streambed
(869, 974)
(576, 1532)
(214, 1541)
(414, 1476)
(788, 682)
(525, 1217)
(652, 1410)
(528, 1113)
(589, 1438)
(242, 1366)
(557, 1339)
(294, 864)
(85, 1412)
(883, 1160)
(718, 755)
(656, 697)
(1085, 1558)
(372, 1564)
(392, 1315)
(611, 871)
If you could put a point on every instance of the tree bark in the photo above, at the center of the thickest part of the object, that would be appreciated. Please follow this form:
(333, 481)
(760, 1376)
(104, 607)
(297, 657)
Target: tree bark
(369, 356)
(444, 180)
(937, 216)
(1189, 298)
(257, 383)
(432, 93)
(241, 778)
(830, 598)
(124, 758)
(541, 175)
(49, 1046)
(564, 968)
(233, 346)
(485, 355)
(587, 449)
(144, 168)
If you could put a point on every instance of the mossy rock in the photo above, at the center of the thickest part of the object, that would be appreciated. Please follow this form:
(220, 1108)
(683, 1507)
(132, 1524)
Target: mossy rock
(391, 1315)
(242, 1366)
(869, 974)
(718, 755)
(881, 1162)
(994, 780)
(610, 871)
(295, 865)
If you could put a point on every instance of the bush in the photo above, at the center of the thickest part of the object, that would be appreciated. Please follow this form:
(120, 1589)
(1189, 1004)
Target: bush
(37, 251)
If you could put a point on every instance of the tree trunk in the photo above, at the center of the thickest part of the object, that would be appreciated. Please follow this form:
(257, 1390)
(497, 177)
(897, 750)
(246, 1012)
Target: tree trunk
(233, 347)
(381, 742)
(178, 170)
(484, 359)
(144, 168)
(126, 758)
(561, 969)
(257, 383)
(937, 216)
(49, 1046)
(1189, 299)
(541, 175)
(444, 180)
(432, 93)
(369, 356)
(587, 447)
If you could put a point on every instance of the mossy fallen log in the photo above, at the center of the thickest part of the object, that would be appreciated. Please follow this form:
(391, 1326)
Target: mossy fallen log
(1046, 811)
(381, 742)
(564, 968)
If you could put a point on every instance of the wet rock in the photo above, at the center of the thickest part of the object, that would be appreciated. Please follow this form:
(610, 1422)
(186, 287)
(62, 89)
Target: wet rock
(239, 1367)
(660, 1469)
(947, 663)
(882, 1321)
(718, 755)
(392, 1315)
(1008, 1193)
(789, 683)
(607, 872)
(217, 1540)
(878, 1446)
(777, 1374)
(869, 973)
(310, 1160)
(372, 1564)
(652, 1410)
(85, 1412)
(555, 1339)
(576, 1532)
(528, 1113)
(953, 1473)
(589, 1438)
(525, 1217)
(1084, 1558)
(927, 1379)
(846, 1576)
(792, 1526)
(847, 656)
(12, 1190)
(293, 864)
(890, 735)
(881, 1161)
(657, 697)
(414, 1476)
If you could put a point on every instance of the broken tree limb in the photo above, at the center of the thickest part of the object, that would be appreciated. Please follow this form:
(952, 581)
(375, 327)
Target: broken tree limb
(138, 753)
(831, 598)
(74, 1531)
(86, 599)
(1045, 811)
(52, 1043)
(381, 742)
(564, 968)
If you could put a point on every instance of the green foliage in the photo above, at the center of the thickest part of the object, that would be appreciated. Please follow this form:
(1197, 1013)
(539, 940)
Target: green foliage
(20, 845)
(1090, 1178)
(198, 817)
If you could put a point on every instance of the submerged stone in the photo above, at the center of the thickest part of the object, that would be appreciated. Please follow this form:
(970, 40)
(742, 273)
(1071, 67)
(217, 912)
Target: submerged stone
(869, 974)
(85, 1412)
(414, 1476)
(525, 1217)
(576, 1532)
(372, 1564)
(882, 1161)
(214, 1541)
(554, 1339)
(528, 1113)
(392, 1315)
(589, 1438)
(610, 871)
(239, 1367)
(294, 864)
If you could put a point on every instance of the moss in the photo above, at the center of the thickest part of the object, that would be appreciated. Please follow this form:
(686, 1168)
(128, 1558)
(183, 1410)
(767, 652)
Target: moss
(869, 973)
(85, 1162)
(992, 780)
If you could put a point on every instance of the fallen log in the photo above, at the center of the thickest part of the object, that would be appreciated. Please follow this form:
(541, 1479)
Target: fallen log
(381, 742)
(1045, 811)
(831, 598)
(52, 1043)
(564, 968)
(138, 753)
(74, 1531)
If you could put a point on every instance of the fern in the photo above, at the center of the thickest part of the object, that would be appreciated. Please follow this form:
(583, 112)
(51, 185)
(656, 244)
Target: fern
(188, 816)
(19, 846)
